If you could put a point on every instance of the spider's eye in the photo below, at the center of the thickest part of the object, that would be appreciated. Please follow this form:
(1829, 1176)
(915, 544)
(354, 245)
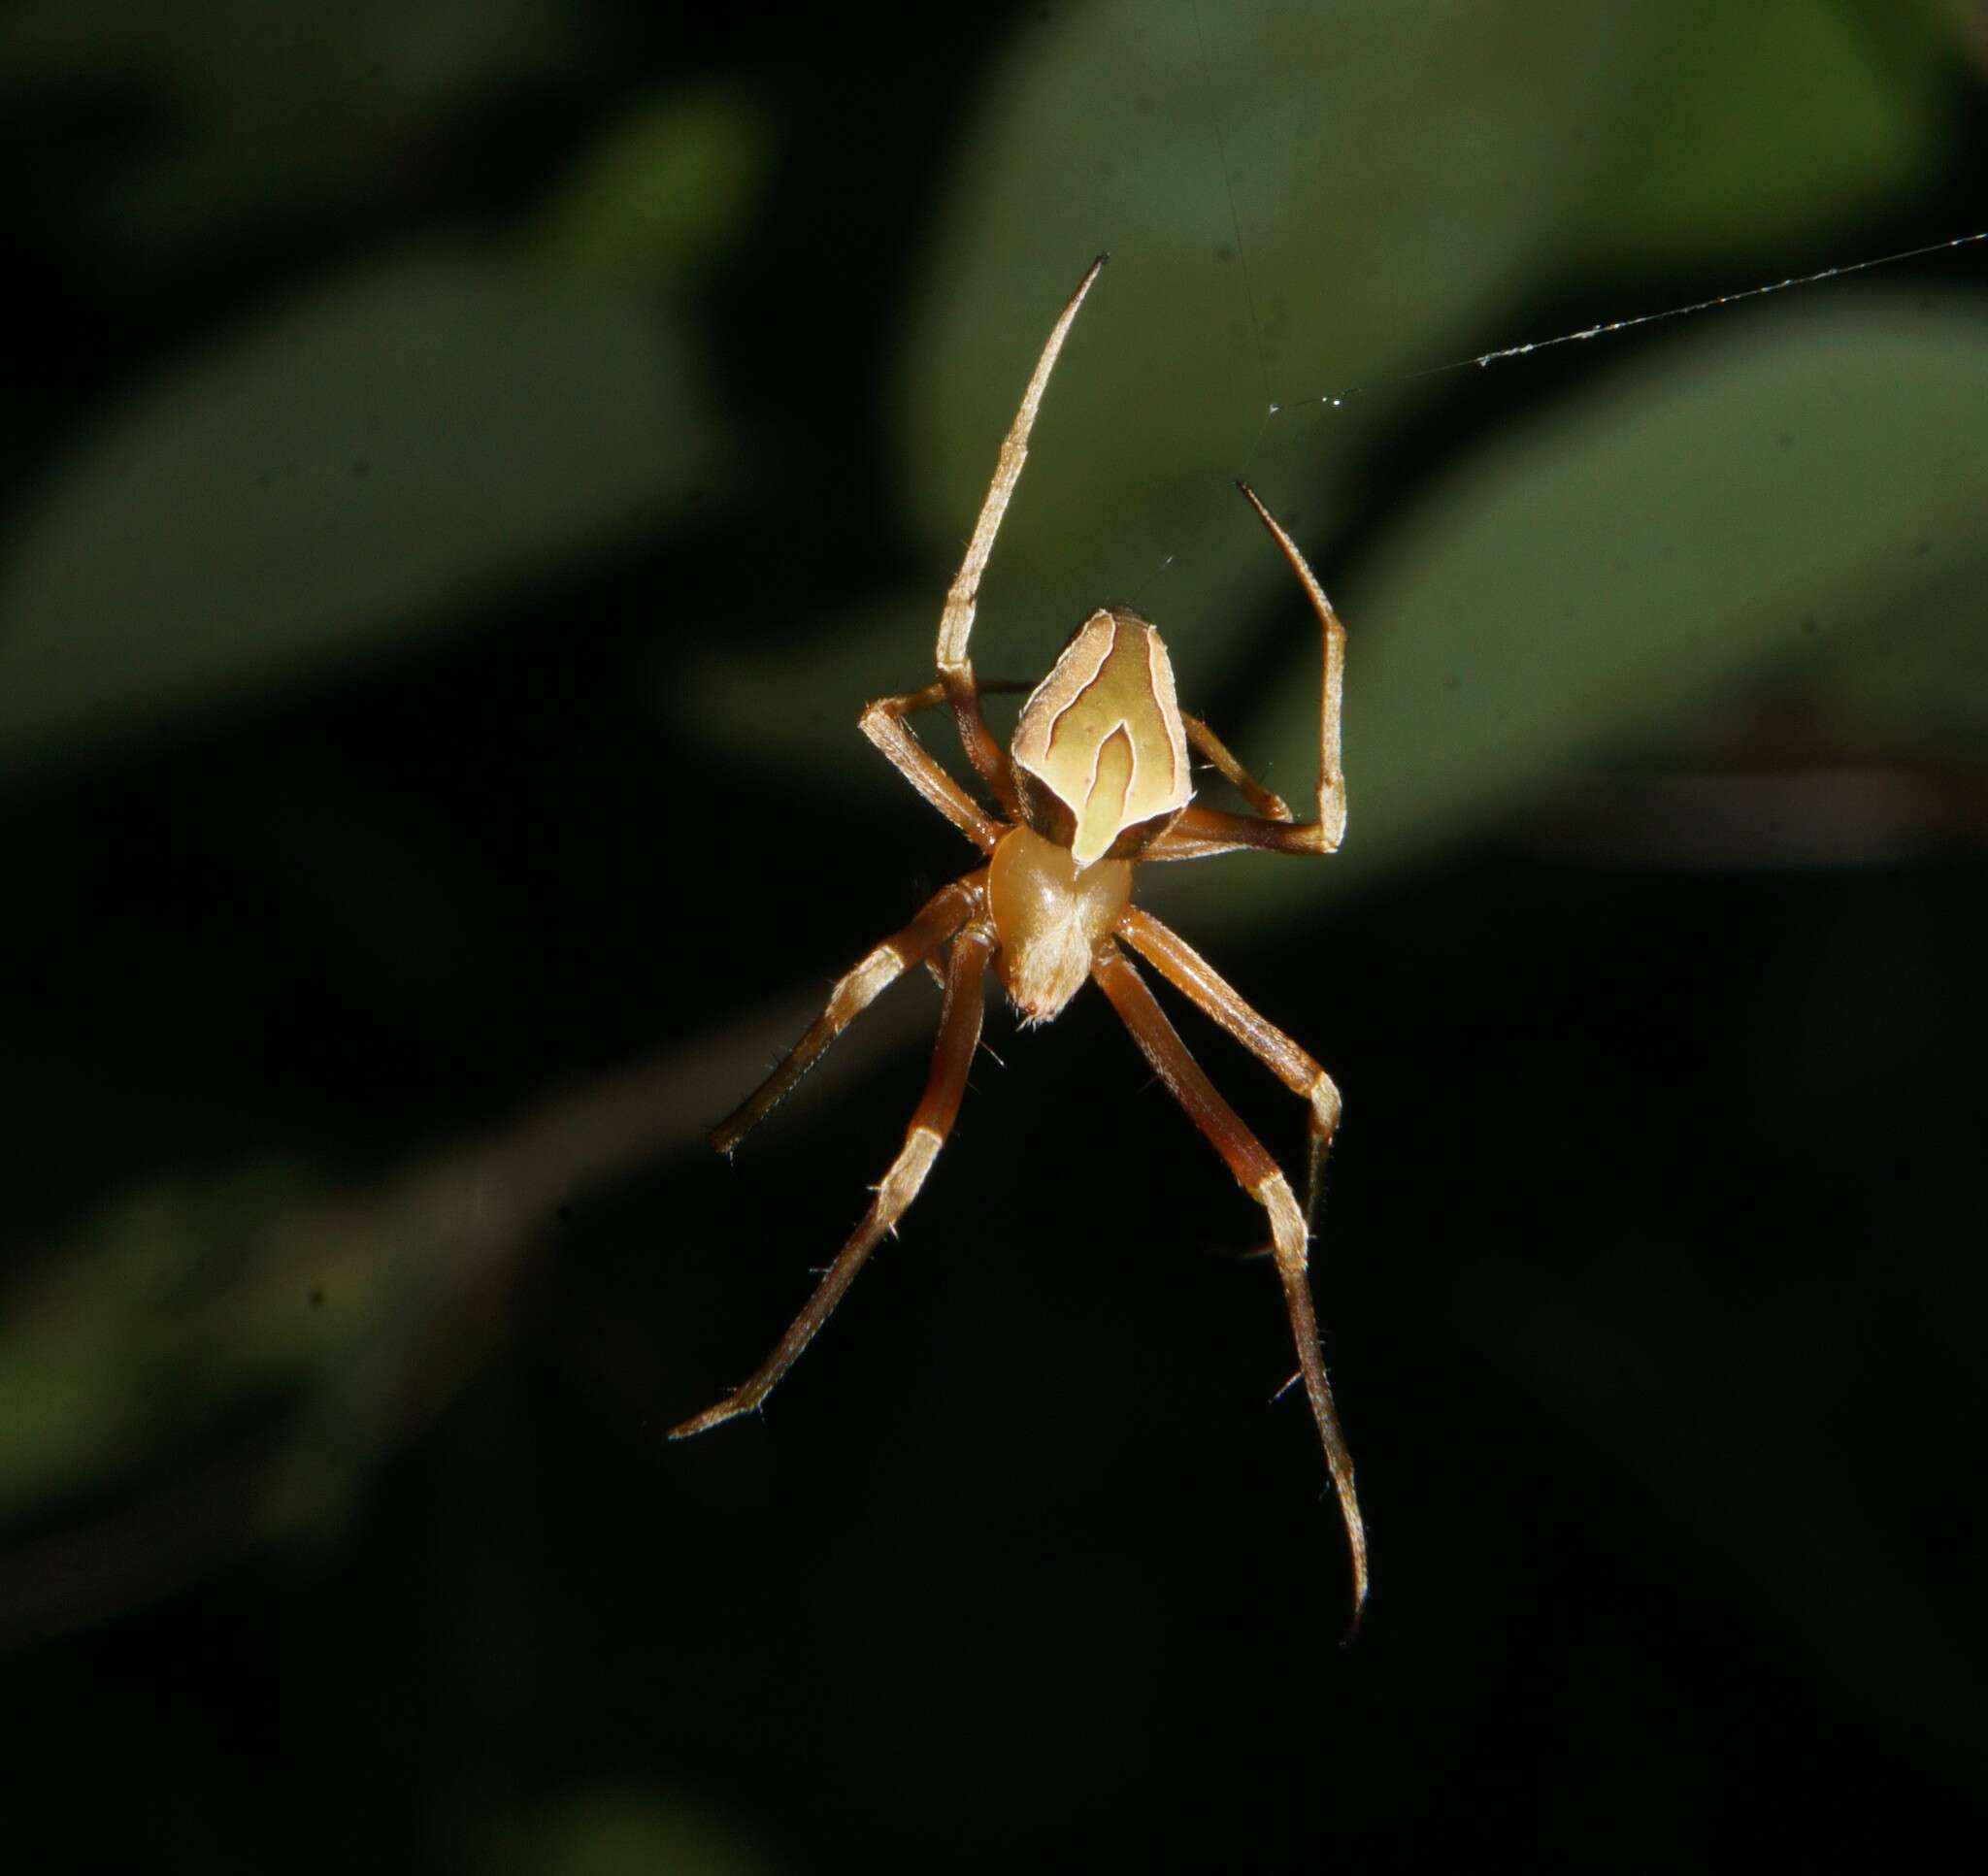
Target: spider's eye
(1101, 733)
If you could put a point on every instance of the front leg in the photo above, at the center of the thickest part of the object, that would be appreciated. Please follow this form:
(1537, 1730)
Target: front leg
(1266, 802)
(1202, 831)
(956, 622)
(884, 723)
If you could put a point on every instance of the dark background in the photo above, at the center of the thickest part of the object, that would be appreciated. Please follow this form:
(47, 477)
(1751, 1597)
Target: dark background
(465, 471)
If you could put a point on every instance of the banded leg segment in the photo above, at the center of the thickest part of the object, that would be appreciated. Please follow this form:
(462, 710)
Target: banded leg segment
(959, 1035)
(1258, 1175)
(956, 622)
(942, 915)
(1191, 973)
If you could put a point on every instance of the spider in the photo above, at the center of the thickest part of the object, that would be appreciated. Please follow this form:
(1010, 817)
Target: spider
(1096, 781)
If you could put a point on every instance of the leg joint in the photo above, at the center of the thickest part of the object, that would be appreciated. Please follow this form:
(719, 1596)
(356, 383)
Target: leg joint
(1287, 1231)
(1326, 1105)
(860, 987)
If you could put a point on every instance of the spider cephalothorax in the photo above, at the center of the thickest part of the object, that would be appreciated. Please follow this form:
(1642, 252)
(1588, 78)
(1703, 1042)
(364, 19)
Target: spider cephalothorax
(1096, 781)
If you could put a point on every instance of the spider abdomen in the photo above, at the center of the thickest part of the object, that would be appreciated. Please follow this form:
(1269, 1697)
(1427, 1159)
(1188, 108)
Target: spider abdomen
(1100, 748)
(1049, 915)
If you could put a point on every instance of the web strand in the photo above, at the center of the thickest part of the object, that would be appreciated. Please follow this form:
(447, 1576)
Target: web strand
(1607, 328)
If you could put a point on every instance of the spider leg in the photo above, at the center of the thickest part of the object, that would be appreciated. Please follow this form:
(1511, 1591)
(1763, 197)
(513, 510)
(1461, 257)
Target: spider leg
(884, 723)
(941, 916)
(1257, 1173)
(959, 1035)
(956, 622)
(1191, 973)
(1202, 831)
(1266, 803)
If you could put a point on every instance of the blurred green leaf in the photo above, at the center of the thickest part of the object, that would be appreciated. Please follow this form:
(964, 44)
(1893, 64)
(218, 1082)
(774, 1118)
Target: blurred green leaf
(661, 192)
(1919, 682)
(339, 480)
(332, 1317)
(608, 1832)
(1755, 125)
(1578, 586)
(143, 1331)
(273, 109)
(191, 1311)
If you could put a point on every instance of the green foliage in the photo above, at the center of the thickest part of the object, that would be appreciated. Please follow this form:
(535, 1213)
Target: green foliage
(658, 200)
(369, 404)
(351, 471)
(160, 1316)
(1587, 584)
(1755, 125)
(260, 111)
(603, 1832)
